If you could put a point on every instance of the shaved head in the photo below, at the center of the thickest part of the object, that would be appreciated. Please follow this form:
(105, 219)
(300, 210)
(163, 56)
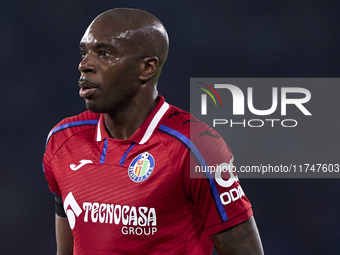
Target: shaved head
(145, 32)
(123, 51)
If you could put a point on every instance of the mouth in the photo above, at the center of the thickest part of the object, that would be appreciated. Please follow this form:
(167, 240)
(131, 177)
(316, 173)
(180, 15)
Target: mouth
(87, 88)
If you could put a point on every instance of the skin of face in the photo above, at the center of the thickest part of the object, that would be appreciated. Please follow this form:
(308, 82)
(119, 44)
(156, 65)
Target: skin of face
(109, 68)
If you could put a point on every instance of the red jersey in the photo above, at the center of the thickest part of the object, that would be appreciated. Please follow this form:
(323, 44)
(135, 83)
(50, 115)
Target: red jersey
(141, 195)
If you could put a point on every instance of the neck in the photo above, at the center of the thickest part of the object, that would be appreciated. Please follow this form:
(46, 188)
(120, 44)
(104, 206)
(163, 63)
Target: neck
(123, 124)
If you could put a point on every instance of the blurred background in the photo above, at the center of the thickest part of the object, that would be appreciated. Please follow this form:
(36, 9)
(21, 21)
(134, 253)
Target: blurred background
(39, 59)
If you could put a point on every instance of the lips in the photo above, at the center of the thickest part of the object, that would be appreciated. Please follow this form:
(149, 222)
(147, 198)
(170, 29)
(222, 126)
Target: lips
(87, 88)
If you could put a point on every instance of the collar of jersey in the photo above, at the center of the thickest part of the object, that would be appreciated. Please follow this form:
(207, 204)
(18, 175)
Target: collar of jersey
(145, 131)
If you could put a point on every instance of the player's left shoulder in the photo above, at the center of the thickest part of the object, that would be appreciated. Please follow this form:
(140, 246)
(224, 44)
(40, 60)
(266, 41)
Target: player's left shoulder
(188, 125)
(201, 135)
(177, 119)
(183, 122)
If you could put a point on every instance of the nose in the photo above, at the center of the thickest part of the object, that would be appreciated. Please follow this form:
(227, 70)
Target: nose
(87, 64)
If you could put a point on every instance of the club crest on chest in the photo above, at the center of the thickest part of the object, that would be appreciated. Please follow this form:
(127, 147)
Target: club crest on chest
(141, 167)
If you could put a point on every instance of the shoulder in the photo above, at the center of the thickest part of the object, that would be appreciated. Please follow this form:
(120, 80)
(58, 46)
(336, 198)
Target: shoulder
(176, 123)
(69, 127)
(180, 122)
(193, 133)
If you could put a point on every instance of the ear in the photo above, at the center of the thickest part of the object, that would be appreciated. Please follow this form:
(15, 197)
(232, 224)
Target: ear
(148, 68)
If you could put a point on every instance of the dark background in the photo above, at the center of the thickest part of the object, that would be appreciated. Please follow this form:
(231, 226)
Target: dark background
(39, 59)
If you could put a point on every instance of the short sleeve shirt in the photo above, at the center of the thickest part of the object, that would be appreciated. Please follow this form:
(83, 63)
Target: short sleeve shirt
(149, 194)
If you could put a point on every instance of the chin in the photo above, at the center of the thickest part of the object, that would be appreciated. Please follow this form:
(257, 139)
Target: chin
(93, 107)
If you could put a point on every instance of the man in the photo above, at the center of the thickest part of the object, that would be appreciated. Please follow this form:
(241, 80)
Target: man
(120, 172)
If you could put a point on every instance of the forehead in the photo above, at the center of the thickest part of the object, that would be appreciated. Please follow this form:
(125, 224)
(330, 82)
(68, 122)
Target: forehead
(106, 31)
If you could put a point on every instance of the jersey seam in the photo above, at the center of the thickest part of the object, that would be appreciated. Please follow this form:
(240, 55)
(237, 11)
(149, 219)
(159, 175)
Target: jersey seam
(59, 147)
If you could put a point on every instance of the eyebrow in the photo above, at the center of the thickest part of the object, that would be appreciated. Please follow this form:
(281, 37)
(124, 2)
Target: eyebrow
(97, 45)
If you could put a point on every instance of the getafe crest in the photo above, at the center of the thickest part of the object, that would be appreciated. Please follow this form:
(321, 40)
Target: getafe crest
(141, 167)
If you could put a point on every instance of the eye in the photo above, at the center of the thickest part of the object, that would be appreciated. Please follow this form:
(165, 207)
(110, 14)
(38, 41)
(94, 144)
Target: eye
(82, 54)
(104, 53)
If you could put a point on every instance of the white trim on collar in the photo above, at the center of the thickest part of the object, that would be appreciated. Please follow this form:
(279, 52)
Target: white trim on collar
(151, 128)
(99, 135)
(154, 122)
